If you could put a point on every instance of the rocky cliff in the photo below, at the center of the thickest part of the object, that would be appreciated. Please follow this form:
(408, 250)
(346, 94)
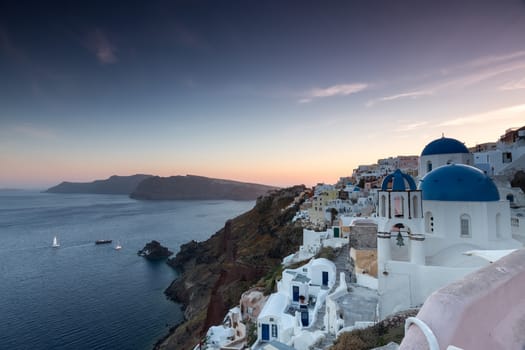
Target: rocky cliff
(197, 187)
(112, 185)
(214, 273)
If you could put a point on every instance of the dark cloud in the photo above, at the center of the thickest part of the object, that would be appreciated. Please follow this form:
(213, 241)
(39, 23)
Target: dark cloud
(99, 44)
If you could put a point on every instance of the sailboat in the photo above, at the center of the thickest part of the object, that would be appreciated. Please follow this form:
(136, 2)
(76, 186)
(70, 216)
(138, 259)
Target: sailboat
(118, 246)
(55, 242)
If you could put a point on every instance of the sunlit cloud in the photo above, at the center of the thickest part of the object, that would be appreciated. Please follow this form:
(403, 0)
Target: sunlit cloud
(99, 44)
(474, 72)
(513, 85)
(411, 126)
(484, 61)
(494, 59)
(404, 95)
(512, 114)
(335, 90)
(480, 76)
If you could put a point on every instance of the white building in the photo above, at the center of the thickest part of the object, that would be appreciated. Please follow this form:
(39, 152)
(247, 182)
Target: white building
(507, 157)
(300, 293)
(424, 232)
(273, 322)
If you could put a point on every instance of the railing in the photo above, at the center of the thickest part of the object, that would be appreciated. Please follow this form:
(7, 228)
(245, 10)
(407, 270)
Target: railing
(427, 332)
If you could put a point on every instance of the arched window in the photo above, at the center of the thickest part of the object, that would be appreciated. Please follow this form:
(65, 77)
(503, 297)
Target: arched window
(429, 222)
(429, 166)
(383, 206)
(415, 212)
(465, 226)
(399, 205)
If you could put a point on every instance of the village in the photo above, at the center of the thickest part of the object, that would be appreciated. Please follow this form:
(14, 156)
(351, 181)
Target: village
(405, 229)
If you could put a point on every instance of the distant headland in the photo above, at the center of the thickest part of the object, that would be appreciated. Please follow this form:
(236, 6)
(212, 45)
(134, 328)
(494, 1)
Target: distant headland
(112, 185)
(149, 187)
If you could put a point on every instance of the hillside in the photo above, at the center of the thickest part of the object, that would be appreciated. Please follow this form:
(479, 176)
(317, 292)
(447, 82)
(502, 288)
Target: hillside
(214, 273)
(197, 187)
(112, 185)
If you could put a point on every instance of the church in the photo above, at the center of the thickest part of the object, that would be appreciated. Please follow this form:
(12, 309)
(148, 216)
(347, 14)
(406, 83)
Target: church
(427, 233)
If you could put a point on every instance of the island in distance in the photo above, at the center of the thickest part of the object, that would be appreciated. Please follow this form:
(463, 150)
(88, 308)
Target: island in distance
(148, 187)
(197, 187)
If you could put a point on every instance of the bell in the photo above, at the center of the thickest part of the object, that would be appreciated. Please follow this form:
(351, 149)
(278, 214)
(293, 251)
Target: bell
(400, 240)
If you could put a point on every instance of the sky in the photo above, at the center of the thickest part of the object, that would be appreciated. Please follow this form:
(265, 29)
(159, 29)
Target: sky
(274, 92)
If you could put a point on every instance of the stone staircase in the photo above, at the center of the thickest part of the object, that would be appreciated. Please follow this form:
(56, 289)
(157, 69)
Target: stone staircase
(342, 263)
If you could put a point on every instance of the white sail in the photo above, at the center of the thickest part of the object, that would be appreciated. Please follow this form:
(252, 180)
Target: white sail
(55, 242)
(118, 246)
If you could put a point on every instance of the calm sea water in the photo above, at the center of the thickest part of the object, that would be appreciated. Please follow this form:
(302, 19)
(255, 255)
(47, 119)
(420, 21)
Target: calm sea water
(87, 296)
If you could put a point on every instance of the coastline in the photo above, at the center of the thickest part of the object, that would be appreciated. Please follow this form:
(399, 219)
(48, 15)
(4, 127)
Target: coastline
(214, 273)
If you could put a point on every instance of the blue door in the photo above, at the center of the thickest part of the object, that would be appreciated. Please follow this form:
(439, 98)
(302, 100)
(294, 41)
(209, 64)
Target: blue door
(295, 293)
(325, 278)
(265, 332)
(304, 318)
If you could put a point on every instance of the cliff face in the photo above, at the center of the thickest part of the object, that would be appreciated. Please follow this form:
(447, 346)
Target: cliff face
(113, 185)
(197, 187)
(214, 273)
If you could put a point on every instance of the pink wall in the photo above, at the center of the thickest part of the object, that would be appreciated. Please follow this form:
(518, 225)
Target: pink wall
(484, 310)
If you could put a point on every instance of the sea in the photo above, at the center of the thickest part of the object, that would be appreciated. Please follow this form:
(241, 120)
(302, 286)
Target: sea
(87, 296)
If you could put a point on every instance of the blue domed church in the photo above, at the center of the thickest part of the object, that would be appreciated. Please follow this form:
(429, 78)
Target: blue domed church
(425, 231)
(443, 151)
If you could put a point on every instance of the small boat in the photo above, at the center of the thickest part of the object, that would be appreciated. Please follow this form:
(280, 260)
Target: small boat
(103, 241)
(55, 242)
(118, 246)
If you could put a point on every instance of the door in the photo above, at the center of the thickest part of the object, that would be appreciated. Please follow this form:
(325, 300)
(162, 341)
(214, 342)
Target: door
(265, 332)
(295, 293)
(325, 278)
(336, 232)
(304, 318)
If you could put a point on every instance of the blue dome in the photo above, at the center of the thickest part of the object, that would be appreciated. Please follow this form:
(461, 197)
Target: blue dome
(444, 145)
(398, 182)
(460, 183)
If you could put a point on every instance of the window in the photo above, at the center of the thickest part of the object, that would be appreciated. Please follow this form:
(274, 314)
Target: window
(383, 206)
(429, 166)
(274, 331)
(465, 225)
(414, 207)
(507, 157)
